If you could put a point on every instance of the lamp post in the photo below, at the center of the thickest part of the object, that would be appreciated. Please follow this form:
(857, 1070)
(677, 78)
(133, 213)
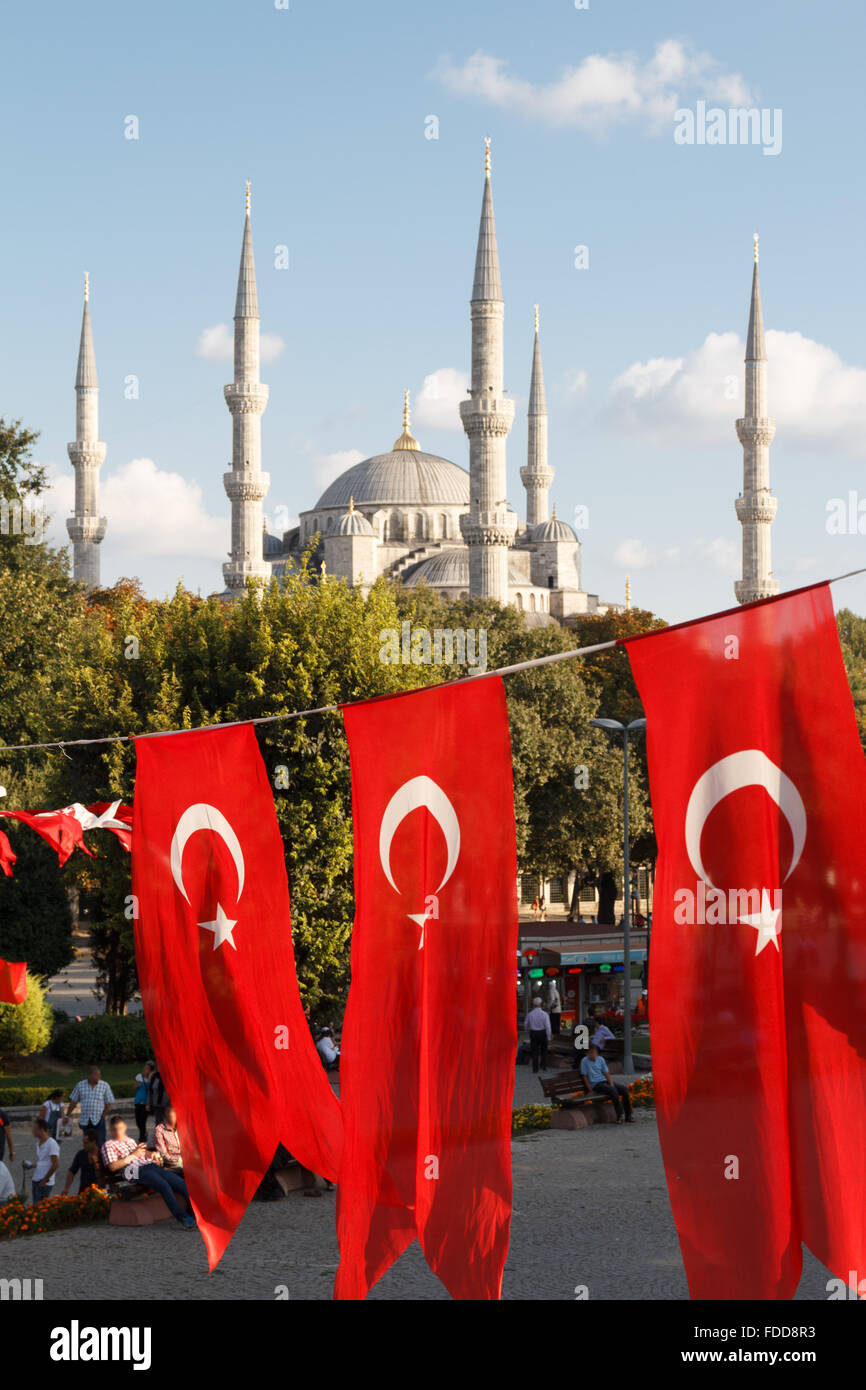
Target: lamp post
(625, 730)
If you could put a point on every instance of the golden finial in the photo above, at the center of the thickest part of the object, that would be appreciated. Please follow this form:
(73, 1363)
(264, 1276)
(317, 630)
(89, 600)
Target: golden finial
(627, 594)
(536, 318)
(553, 518)
(86, 286)
(487, 155)
(351, 505)
(755, 247)
(406, 441)
(248, 198)
(323, 569)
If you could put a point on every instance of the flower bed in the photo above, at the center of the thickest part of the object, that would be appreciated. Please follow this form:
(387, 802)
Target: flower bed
(18, 1218)
(641, 1091)
(530, 1117)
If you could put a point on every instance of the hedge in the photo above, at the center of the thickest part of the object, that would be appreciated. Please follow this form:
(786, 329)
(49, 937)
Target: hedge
(104, 1038)
(35, 1095)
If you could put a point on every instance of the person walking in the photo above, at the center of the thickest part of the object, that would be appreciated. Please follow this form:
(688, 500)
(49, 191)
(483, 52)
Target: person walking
(94, 1096)
(542, 908)
(51, 1111)
(596, 1078)
(142, 1093)
(47, 1159)
(158, 1098)
(537, 1024)
(6, 1133)
(554, 1007)
(138, 1164)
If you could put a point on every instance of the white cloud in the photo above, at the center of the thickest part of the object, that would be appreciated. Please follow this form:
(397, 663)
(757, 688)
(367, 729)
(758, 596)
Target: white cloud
(324, 468)
(150, 512)
(576, 382)
(603, 90)
(436, 404)
(815, 397)
(719, 553)
(217, 344)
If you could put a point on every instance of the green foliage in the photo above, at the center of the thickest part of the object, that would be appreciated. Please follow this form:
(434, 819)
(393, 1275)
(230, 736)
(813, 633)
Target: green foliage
(104, 1038)
(26, 1028)
(852, 635)
(35, 918)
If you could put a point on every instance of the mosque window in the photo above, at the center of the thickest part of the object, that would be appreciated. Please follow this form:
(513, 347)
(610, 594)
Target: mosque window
(443, 526)
(532, 603)
(419, 524)
(330, 523)
(518, 600)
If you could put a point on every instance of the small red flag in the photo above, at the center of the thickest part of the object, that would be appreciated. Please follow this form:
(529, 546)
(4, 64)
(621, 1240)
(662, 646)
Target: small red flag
(13, 981)
(113, 816)
(758, 957)
(8, 857)
(217, 972)
(63, 830)
(427, 1063)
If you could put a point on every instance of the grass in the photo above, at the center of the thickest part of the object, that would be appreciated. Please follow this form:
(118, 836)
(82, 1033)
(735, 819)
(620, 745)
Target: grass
(640, 1042)
(112, 1072)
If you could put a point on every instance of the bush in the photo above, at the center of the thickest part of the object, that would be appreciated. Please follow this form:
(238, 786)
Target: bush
(35, 1095)
(18, 1218)
(104, 1038)
(26, 1028)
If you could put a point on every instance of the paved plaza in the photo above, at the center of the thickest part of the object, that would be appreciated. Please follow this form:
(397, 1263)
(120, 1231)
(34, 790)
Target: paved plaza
(590, 1208)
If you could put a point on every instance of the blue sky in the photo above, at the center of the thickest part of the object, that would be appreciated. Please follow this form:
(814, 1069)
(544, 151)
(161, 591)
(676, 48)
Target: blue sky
(324, 107)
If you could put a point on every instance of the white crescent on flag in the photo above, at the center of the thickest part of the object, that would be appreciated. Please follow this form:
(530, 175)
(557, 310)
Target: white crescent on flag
(418, 792)
(202, 816)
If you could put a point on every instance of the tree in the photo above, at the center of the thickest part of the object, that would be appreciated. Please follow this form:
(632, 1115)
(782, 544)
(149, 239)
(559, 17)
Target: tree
(26, 1028)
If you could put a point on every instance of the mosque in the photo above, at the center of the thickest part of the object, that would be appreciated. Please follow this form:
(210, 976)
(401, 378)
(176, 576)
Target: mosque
(412, 516)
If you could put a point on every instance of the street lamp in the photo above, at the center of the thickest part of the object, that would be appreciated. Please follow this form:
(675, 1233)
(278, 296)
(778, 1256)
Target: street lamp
(625, 729)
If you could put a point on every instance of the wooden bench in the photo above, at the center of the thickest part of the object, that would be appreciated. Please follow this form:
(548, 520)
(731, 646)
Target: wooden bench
(575, 1108)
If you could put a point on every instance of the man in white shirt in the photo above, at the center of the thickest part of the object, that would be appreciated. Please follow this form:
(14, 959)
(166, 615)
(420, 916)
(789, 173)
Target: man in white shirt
(328, 1050)
(602, 1035)
(47, 1159)
(7, 1186)
(537, 1024)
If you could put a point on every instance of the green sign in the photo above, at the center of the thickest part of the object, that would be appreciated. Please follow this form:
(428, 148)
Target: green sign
(605, 969)
(538, 974)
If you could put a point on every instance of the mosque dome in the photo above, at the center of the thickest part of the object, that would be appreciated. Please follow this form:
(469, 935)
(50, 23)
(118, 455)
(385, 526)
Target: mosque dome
(354, 523)
(553, 530)
(450, 570)
(404, 476)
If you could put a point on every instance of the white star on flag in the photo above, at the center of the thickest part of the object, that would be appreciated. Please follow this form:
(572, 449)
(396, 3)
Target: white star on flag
(765, 923)
(221, 928)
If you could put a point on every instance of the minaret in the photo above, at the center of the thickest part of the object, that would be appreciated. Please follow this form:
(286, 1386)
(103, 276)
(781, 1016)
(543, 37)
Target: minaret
(755, 506)
(489, 527)
(537, 475)
(246, 485)
(86, 527)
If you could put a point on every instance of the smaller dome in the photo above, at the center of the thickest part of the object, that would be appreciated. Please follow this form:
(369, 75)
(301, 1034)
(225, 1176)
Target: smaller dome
(553, 530)
(354, 523)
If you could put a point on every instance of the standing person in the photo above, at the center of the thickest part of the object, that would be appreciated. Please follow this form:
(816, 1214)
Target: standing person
(6, 1132)
(95, 1096)
(86, 1164)
(7, 1186)
(535, 908)
(157, 1100)
(51, 1111)
(537, 1024)
(142, 1092)
(328, 1050)
(542, 908)
(168, 1142)
(554, 1005)
(123, 1155)
(596, 1077)
(47, 1159)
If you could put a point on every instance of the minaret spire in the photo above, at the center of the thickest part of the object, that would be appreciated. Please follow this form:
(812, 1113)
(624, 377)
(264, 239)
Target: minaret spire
(756, 507)
(487, 416)
(86, 527)
(246, 485)
(537, 475)
(406, 440)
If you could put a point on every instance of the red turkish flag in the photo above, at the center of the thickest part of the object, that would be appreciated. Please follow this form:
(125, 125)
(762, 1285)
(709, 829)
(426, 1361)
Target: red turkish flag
(13, 981)
(113, 816)
(217, 972)
(63, 830)
(8, 857)
(759, 1001)
(427, 1062)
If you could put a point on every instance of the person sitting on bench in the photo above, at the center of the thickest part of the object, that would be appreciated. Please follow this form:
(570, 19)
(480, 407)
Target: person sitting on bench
(596, 1078)
(138, 1164)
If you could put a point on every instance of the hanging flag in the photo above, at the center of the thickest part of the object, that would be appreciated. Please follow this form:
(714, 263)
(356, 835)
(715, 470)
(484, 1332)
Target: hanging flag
(13, 981)
(8, 857)
(429, 1036)
(758, 962)
(217, 972)
(63, 830)
(110, 815)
